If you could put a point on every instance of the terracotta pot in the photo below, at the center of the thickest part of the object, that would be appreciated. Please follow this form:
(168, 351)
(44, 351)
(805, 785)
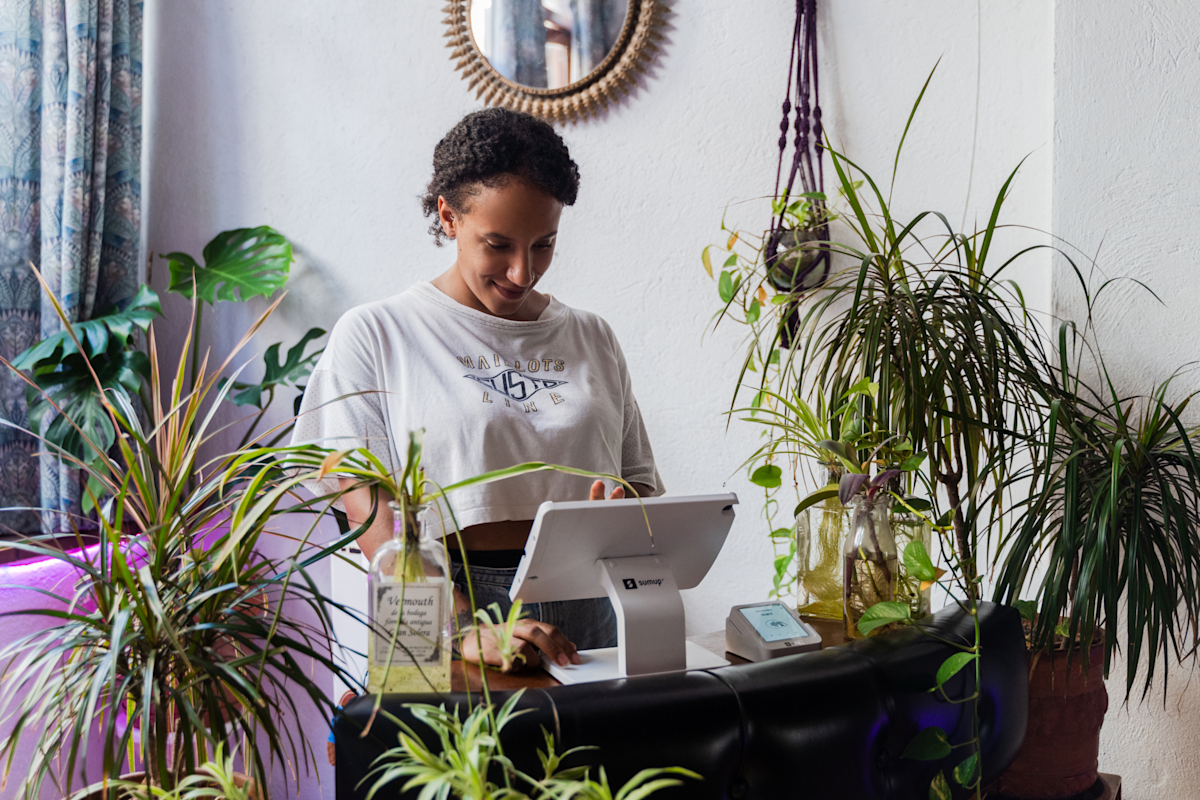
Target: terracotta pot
(1060, 756)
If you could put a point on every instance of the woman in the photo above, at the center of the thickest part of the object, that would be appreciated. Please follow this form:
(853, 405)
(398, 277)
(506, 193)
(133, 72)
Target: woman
(495, 371)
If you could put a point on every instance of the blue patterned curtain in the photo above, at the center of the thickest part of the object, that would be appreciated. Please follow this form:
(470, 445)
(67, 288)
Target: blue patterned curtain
(70, 202)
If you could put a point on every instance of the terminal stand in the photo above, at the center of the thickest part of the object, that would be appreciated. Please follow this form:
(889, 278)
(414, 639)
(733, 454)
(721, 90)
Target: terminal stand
(650, 626)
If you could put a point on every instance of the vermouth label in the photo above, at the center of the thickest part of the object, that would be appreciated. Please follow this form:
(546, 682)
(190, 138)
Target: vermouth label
(417, 609)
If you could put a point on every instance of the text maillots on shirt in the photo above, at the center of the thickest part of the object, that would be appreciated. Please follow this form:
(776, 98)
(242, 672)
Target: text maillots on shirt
(512, 383)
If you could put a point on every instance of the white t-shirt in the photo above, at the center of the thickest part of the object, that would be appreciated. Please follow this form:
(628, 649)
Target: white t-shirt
(489, 392)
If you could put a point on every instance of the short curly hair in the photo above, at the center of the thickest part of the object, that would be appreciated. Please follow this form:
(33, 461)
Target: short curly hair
(487, 148)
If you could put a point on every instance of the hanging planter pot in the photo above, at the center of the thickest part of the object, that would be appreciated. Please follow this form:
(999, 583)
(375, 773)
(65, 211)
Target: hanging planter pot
(795, 260)
(796, 263)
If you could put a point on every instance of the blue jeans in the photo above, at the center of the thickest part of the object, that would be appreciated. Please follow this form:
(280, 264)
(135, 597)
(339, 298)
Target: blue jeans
(589, 624)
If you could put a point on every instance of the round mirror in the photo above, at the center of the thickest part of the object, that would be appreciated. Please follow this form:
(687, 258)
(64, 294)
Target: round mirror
(559, 59)
(547, 44)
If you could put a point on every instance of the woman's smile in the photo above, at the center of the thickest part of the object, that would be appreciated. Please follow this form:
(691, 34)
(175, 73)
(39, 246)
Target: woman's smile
(505, 239)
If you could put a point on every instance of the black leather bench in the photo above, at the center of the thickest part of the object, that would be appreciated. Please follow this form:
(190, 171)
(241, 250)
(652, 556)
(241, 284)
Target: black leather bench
(827, 724)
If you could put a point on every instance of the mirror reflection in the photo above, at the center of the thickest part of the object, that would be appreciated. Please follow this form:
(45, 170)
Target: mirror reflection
(546, 44)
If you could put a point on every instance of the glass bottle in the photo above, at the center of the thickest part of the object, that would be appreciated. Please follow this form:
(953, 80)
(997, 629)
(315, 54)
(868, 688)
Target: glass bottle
(820, 533)
(907, 528)
(410, 606)
(869, 561)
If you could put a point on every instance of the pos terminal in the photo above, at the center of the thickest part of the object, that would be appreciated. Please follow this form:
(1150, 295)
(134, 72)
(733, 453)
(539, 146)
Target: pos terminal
(638, 553)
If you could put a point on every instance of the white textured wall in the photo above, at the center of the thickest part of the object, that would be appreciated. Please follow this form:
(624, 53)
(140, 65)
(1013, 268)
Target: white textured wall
(320, 120)
(1126, 188)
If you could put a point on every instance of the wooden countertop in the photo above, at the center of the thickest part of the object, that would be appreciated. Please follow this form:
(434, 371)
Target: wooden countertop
(463, 675)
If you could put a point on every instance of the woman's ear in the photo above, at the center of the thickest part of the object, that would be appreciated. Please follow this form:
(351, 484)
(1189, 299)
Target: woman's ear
(448, 218)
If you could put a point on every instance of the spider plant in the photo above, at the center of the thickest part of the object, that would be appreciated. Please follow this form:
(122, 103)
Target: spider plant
(1113, 517)
(217, 779)
(470, 754)
(179, 637)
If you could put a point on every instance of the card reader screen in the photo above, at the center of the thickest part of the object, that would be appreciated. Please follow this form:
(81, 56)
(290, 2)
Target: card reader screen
(773, 622)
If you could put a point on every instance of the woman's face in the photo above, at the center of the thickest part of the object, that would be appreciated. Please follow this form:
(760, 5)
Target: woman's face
(505, 241)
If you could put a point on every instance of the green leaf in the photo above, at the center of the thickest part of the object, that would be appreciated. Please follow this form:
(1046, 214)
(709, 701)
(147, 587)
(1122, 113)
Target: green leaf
(753, 312)
(1027, 609)
(818, 496)
(781, 565)
(928, 745)
(881, 614)
(964, 773)
(767, 476)
(238, 265)
(863, 385)
(706, 259)
(782, 533)
(725, 287)
(918, 563)
(919, 504)
(780, 299)
(95, 334)
(939, 788)
(291, 372)
(912, 462)
(731, 261)
(952, 665)
(71, 387)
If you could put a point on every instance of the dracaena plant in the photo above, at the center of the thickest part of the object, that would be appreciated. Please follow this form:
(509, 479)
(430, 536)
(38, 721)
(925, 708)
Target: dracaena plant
(72, 370)
(175, 631)
(1112, 517)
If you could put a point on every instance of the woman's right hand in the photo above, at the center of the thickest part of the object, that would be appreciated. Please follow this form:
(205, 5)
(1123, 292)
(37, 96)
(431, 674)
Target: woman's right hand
(529, 637)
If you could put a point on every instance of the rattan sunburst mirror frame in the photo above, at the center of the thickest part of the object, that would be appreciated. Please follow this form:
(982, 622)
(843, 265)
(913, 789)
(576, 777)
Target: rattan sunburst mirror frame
(633, 52)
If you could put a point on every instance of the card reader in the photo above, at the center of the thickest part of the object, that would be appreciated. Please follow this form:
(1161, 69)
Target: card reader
(758, 631)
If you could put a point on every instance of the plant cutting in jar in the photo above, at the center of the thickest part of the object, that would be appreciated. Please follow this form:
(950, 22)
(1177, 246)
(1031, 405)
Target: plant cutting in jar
(794, 431)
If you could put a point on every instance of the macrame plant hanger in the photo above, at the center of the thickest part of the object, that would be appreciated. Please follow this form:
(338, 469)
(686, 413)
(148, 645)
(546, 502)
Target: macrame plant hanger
(806, 151)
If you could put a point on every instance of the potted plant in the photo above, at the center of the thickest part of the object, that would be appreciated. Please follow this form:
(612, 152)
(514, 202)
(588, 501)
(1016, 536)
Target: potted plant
(1113, 520)
(179, 636)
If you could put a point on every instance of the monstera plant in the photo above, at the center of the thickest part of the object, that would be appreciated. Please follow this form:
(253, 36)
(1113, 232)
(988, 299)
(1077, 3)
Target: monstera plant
(108, 353)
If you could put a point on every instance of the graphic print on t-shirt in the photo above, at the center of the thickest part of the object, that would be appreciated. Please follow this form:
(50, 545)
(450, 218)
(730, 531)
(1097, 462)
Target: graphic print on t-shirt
(513, 383)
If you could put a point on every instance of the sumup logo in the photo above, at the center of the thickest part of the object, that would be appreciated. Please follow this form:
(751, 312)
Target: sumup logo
(630, 583)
